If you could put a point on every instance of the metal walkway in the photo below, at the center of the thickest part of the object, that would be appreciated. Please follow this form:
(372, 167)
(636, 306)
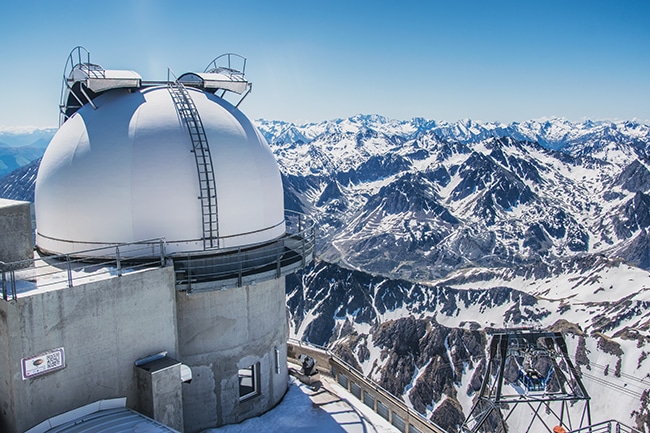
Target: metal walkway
(83, 81)
(207, 184)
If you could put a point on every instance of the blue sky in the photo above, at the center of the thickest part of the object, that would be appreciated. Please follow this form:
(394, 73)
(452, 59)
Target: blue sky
(311, 61)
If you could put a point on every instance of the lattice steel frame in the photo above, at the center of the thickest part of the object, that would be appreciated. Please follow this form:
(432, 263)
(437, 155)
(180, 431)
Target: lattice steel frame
(492, 407)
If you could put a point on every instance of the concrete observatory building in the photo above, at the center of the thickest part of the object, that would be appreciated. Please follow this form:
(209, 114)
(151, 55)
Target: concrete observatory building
(173, 187)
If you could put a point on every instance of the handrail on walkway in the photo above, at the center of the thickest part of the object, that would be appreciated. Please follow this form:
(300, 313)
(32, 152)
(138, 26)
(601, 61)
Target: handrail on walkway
(217, 267)
(66, 270)
(381, 401)
(250, 263)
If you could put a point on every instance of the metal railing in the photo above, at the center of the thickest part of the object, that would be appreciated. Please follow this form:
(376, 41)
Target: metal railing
(78, 59)
(68, 270)
(225, 267)
(234, 66)
(611, 426)
(245, 264)
(231, 64)
(370, 393)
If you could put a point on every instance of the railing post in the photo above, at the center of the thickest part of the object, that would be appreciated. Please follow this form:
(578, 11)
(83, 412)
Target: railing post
(278, 270)
(162, 253)
(239, 273)
(67, 260)
(118, 262)
(4, 283)
(189, 273)
(12, 273)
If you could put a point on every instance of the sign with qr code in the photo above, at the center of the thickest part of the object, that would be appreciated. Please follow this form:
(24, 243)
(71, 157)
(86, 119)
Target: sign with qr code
(46, 362)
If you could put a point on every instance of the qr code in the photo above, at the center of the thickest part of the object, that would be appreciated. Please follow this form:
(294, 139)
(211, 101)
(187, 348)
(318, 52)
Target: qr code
(54, 360)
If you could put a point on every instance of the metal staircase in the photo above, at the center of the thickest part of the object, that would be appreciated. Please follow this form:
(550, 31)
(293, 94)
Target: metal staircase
(207, 184)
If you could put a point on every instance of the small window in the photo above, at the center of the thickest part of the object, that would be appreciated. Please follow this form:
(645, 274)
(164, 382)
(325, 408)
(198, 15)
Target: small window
(249, 382)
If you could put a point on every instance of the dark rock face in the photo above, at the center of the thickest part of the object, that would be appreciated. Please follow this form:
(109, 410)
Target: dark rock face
(375, 168)
(293, 187)
(433, 354)
(536, 238)
(409, 193)
(635, 177)
(642, 414)
(476, 381)
(439, 175)
(634, 215)
(637, 252)
(400, 342)
(449, 415)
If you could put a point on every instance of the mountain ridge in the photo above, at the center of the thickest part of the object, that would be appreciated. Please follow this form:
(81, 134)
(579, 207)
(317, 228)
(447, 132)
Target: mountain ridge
(536, 201)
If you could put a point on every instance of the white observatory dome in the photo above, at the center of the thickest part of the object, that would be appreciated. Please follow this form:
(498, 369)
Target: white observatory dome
(126, 172)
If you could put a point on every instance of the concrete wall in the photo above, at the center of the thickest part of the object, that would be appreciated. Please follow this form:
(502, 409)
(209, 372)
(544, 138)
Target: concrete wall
(103, 326)
(16, 234)
(222, 331)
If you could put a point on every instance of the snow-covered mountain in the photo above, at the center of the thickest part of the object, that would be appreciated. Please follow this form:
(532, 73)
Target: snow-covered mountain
(442, 197)
(432, 233)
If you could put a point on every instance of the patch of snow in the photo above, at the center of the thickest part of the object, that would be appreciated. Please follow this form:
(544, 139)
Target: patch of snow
(301, 410)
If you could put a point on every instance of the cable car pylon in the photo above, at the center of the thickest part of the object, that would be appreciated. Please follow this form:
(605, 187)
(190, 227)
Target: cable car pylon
(530, 380)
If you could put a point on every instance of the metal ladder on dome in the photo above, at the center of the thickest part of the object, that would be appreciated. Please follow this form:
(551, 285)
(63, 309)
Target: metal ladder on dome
(207, 184)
